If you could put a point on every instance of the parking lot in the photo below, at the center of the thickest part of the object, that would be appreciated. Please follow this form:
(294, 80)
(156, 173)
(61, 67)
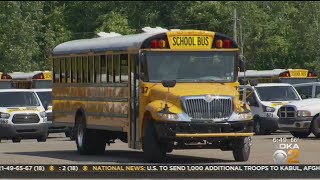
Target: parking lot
(60, 150)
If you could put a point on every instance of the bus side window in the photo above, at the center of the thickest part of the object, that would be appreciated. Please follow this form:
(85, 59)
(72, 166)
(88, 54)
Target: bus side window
(305, 91)
(97, 62)
(63, 70)
(85, 69)
(79, 69)
(91, 69)
(103, 69)
(68, 70)
(116, 68)
(109, 69)
(73, 70)
(124, 68)
(56, 70)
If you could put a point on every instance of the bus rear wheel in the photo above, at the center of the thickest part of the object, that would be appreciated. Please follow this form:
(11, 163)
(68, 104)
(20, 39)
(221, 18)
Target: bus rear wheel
(152, 147)
(89, 142)
(241, 149)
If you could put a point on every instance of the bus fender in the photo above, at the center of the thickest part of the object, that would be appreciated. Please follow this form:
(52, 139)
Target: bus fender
(155, 106)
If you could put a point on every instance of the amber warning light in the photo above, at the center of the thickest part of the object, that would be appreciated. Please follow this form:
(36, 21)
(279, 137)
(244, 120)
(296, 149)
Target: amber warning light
(158, 43)
(6, 76)
(39, 76)
(223, 44)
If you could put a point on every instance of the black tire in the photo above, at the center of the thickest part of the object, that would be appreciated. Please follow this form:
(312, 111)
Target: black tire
(67, 133)
(267, 132)
(89, 142)
(315, 126)
(300, 134)
(16, 139)
(241, 149)
(72, 134)
(42, 138)
(153, 149)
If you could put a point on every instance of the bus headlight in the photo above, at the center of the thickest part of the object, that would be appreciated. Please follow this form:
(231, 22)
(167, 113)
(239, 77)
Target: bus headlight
(244, 116)
(4, 115)
(172, 117)
(169, 116)
(303, 113)
(43, 114)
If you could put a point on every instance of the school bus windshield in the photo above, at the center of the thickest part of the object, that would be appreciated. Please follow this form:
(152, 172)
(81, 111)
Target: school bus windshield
(191, 66)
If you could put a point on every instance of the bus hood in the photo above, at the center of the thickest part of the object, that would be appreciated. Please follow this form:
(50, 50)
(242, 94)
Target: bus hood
(158, 92)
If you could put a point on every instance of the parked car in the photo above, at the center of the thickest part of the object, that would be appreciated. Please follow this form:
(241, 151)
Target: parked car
(308, 90)
(45, 96)
(22, 115)
(264, 100)
(302, 118)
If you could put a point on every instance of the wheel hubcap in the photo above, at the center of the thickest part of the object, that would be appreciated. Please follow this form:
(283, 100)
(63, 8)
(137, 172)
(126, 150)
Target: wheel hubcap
(80, 135)
(247, 143)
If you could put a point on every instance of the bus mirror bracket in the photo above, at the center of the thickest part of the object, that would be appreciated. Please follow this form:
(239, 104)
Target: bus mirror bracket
(141, 76)
(168, 84)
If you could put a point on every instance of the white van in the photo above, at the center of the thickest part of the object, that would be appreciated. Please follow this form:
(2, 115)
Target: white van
(45, 96)
(264, 100)
(22, 115)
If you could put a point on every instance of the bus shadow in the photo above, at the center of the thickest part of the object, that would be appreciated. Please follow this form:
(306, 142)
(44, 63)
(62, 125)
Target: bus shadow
(116, 156)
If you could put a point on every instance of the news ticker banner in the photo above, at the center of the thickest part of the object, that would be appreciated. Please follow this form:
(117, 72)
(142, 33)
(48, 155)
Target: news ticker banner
(174, 171)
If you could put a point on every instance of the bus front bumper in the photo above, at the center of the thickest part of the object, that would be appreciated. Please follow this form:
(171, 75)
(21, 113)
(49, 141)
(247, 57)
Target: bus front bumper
(186, 130)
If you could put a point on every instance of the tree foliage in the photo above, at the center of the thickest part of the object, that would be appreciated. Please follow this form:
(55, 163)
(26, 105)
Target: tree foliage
(274, 34)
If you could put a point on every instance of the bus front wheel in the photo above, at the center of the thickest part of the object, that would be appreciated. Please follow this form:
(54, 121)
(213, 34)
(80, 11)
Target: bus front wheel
(88, 141)
(152, 147)
(241, 149)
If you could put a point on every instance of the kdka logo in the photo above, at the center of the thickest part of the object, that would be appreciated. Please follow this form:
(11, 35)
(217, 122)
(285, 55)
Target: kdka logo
(287, 153)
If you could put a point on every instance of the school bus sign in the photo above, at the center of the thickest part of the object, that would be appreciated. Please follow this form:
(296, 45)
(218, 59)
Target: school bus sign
(192, 40)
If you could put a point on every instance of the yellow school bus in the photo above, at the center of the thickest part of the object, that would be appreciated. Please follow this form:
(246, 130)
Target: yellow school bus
(156, 91)
(291, 76)
(5, 81)
(32, 80)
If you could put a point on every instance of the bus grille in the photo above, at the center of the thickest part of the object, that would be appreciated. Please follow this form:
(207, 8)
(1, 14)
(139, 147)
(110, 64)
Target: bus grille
(220, 108)
(287, 112)
(25, 118)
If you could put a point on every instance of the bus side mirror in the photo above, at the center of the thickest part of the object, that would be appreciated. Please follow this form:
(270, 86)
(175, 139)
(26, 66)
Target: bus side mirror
(168, 83)
(242, 82)
(141, 76)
